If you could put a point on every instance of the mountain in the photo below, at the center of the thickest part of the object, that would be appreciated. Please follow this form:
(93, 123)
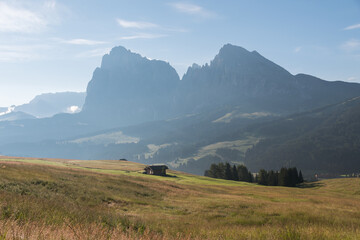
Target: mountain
(13, 116)
(3, 109)
(238, 77)
(49, 104)
(139, 109)
(325, 140)
(129, 89)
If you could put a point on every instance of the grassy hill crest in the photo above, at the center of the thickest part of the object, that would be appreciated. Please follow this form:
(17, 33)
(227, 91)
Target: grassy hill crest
(75, 199)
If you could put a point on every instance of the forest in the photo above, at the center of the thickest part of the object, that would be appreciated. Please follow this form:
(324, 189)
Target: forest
(288, 177)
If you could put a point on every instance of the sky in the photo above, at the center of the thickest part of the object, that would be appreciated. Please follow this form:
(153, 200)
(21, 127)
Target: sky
(55, 45)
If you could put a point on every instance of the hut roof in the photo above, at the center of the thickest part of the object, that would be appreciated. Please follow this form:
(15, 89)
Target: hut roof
(157, 167)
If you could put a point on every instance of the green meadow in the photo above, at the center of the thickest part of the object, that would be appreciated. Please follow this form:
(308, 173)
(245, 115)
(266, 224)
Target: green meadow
(75, 199)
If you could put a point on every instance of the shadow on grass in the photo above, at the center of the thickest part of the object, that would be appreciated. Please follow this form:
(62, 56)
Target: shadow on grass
(172, 176)
(311, 185)
(167, 175)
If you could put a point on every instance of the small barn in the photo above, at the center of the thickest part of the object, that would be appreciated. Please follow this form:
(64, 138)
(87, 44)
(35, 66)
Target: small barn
(159, 170)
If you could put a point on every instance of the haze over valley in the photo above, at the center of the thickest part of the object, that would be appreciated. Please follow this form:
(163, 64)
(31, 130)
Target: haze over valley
(139, 109)
(173, 120)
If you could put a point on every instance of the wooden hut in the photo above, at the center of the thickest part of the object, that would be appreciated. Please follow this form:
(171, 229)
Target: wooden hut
(159, 170)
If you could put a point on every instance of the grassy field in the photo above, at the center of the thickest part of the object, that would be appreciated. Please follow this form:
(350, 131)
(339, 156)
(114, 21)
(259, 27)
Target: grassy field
(73, 199)
(211, 150)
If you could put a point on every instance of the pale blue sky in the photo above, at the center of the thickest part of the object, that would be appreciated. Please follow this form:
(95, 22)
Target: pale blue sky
(55, 45)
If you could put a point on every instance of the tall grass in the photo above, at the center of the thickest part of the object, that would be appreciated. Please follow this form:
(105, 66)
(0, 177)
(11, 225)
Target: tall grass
(52, 202)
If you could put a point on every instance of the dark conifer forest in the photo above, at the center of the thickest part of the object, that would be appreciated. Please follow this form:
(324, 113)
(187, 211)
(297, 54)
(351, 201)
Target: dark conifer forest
(288, 177)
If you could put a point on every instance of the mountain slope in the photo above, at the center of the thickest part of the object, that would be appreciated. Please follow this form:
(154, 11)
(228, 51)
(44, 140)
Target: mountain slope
(3, 109)
(246, 79)
(139, 109)
(13, 116)
(326, 140)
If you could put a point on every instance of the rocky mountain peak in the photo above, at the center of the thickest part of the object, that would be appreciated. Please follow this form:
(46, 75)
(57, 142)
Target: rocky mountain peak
(134, 87)
(229, 50)
(120, 56)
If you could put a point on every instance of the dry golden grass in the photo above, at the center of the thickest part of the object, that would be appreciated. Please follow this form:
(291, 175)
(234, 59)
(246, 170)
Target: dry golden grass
(72, 199)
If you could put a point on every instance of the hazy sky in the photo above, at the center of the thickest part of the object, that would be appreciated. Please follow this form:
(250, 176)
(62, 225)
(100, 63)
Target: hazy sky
(51, 46)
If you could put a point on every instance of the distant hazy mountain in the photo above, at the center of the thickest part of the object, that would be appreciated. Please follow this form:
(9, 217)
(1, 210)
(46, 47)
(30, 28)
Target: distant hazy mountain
(49, 104)
(139, 109)
(129, 89)
(3, 109)
(13, 116)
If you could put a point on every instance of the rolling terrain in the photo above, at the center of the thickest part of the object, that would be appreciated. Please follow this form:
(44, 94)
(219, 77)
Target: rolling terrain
(112, 199)
(323, 141)
(14, 116)
(139, 109)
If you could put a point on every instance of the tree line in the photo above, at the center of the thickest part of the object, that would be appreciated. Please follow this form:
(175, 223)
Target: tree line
(289, 177)
(228, 172)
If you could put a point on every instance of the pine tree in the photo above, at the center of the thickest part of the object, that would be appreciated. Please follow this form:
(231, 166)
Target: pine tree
(294, 177)
(301, 179)
(243, 173)
(250, 177)
(228, 172)
(284, 177)
(272, 178)
(214, 171)
(263, 177)
(235, 173)
(221, 171)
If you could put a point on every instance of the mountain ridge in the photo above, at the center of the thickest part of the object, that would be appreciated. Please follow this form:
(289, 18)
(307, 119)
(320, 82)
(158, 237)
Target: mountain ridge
(179, 121)
(236, 75)
(49, 104)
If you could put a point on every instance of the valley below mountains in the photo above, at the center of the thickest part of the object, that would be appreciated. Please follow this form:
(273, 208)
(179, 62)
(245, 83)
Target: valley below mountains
(239, 108)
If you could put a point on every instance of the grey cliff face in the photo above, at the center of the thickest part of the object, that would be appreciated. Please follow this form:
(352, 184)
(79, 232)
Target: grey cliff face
(128, 89)
(131, 87)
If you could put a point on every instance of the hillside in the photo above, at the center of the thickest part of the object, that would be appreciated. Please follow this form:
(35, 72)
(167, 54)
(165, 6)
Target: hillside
(140, 109)
(71, 199)
(14, 116)
(190, 143)
(325, 140)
